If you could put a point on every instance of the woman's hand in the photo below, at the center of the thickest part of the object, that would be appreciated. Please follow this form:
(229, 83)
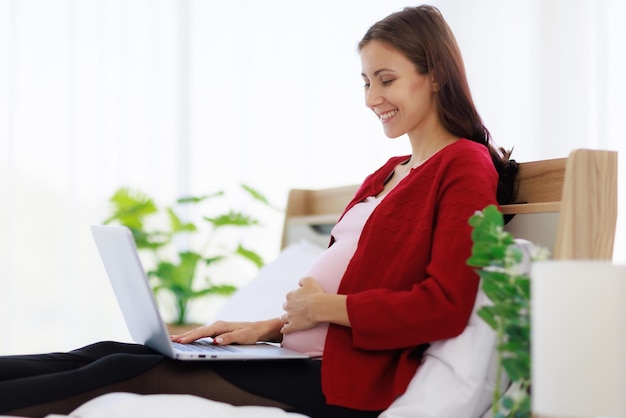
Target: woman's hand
(309, 306)
(224, 333)
(299, 307)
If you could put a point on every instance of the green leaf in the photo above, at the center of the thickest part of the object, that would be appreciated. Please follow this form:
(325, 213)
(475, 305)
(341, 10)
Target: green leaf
(498, 252)
(476, 219)
(507, 402)
(479, 260)
(493, 216)
(223, 290)
(487, 315)
(492, 291)
(515, 331)
(212, 260)
(149, 240)
(256, 195)
(523, 284)
(250, 255)
(178, 225)
(232, 218)
(524, 407)
(130, 208)
(178, 276)
(512, 346)
(515, 369)
(199, 199)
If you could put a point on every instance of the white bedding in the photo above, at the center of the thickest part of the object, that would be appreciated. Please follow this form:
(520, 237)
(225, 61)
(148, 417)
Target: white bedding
(130, 405)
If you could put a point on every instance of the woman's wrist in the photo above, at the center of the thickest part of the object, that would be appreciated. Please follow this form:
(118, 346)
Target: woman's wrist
(270, 330)
(326, 307)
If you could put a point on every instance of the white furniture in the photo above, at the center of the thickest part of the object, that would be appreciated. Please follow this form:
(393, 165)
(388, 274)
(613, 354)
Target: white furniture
(578, 346)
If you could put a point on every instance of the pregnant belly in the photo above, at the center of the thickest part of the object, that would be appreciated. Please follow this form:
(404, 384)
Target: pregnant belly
(310, 341)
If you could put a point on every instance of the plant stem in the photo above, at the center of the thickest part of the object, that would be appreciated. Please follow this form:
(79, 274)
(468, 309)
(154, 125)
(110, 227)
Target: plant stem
(496, 393)
(523, 388)
(182, 309)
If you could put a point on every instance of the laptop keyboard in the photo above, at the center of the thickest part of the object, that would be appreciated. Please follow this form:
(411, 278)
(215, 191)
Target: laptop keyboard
(203, 346)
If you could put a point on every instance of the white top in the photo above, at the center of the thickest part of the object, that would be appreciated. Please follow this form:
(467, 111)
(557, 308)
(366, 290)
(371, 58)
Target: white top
(330, 268)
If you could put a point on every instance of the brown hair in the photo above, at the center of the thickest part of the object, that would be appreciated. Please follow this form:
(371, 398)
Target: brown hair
(424, 37)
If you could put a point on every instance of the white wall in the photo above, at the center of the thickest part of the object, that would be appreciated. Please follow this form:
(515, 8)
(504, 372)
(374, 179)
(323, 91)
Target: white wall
(193, 96)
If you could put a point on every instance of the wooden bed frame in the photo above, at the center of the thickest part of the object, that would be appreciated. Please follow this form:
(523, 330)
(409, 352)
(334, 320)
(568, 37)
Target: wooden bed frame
(568, 205)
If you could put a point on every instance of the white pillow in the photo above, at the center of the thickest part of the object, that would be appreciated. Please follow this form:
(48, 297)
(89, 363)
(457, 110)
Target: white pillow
(450, 381)
(457, 376)
(263, 296)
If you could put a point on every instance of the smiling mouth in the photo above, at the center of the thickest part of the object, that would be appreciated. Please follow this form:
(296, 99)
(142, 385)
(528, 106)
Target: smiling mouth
(383, 117)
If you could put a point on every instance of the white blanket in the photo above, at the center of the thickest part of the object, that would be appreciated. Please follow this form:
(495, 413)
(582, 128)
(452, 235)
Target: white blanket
(130, 405)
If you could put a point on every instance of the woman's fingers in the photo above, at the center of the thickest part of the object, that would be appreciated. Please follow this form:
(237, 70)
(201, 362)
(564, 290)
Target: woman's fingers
(222, 332)
(298, 314)
(237, 336)
(194, 334)
(201, 332)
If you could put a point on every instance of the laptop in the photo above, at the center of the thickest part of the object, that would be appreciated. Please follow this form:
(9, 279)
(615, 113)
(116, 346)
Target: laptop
(136, 300)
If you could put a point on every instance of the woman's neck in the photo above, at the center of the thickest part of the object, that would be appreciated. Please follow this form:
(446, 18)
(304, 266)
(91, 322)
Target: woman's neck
(423, 149)
(427, 140)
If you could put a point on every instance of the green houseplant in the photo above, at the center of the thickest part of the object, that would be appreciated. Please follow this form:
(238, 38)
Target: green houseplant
(182, 251)
(507, 285)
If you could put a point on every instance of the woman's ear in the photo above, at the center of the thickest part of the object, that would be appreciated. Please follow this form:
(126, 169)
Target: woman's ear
(433, 82)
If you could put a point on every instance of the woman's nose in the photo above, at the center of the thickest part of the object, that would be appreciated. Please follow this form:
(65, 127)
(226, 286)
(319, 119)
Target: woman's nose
(373, 97)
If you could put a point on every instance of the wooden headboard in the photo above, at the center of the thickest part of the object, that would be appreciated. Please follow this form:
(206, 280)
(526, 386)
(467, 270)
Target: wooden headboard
(568, 205)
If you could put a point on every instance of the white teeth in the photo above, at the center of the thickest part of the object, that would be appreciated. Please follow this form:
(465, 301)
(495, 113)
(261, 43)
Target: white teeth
(388, 114)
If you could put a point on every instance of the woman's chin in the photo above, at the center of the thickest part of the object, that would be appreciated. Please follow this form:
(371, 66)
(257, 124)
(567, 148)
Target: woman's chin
(393, 134)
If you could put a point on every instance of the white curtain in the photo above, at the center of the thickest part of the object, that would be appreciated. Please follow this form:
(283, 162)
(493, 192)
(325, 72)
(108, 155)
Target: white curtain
(193, 96)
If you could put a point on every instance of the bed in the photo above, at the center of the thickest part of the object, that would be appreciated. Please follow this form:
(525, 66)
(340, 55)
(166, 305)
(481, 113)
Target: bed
(568, 205)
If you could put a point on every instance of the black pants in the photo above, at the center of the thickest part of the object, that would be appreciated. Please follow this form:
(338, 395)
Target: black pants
(41, 384)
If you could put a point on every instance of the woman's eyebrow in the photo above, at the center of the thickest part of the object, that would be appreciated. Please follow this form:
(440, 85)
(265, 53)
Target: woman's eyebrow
(378, 72)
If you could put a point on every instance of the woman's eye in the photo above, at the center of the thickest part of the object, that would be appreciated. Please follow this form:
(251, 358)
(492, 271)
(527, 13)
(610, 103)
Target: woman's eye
(386, 82)
(366, 85)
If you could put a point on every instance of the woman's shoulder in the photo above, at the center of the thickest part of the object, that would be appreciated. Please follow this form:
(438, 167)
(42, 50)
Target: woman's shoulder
(466, 158)
(467, 145)
(468, 151)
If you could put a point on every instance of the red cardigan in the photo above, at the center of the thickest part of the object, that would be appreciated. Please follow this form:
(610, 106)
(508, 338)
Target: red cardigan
(408, 282)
